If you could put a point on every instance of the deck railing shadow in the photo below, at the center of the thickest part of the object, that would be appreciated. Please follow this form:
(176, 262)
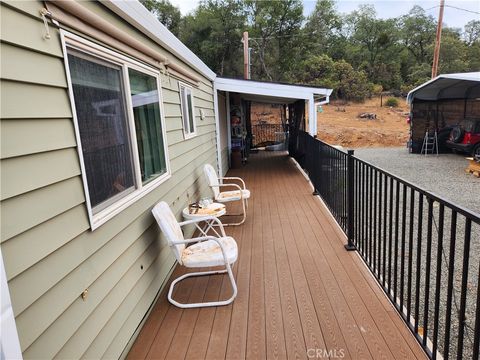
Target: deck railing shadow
(423, 250)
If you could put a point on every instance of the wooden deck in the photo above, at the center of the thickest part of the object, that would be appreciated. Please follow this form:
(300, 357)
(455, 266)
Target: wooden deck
(300, 294)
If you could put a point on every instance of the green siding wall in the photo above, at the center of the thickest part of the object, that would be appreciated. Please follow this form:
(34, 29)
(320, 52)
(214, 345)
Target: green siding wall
(51, 256)
(225, 164)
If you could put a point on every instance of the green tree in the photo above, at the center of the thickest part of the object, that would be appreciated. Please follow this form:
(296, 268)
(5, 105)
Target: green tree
(275, 28)
(472, 38)
(351, 84)
(214, 31)
(453, 52)
(472, 32)
(317, 70)
(373, 46)
(418, 74)
(346, 52)
(166, 13)
(322, 28)
(418, 33)
(347, 83)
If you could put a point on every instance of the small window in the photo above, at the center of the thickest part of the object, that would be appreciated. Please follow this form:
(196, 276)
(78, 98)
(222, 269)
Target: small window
(188, 113)
(119, 127)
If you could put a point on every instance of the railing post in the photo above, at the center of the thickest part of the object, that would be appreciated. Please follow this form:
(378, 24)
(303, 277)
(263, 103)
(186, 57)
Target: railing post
(313, 164)
(350, 199)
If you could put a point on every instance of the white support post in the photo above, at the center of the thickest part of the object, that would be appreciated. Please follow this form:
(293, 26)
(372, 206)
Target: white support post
(312, 116)
(229, 128)
(9, 343)
(217, 128)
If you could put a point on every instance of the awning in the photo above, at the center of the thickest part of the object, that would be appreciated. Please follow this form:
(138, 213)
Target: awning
(272, 91)
(280, 93)
(448, 86)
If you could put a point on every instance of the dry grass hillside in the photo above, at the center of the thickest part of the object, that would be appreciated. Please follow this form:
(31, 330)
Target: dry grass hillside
(339, 124)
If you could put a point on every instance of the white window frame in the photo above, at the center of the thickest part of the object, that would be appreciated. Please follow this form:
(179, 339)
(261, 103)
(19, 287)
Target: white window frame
(184, 103)
(76, 42)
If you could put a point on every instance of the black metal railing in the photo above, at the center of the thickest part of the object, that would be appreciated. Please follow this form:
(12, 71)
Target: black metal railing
(265, 134)
(423, 250)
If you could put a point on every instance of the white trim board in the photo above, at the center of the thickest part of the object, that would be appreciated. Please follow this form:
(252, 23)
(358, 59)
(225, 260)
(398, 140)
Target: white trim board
(269, 89)
(217, 130)
(9, 343)
(184, 106)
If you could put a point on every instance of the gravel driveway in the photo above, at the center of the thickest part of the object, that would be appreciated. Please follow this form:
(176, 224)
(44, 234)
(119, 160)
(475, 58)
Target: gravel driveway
(443, 175)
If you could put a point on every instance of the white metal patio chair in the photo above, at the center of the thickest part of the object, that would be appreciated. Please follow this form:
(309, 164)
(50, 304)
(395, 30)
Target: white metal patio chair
(240, 194)
(206, 251)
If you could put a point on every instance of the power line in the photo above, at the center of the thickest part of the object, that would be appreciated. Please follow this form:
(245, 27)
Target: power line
(281, 36)
(454, 7)
(459, 8)
(311, 33)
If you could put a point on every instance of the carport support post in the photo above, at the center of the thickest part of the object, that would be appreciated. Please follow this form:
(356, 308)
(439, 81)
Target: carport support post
(350, 201)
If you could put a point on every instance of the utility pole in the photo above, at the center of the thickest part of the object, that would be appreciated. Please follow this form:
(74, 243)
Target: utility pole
(436, 53)
(246, 56)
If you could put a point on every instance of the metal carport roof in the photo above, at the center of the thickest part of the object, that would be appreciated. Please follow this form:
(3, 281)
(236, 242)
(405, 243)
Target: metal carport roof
(447, 86)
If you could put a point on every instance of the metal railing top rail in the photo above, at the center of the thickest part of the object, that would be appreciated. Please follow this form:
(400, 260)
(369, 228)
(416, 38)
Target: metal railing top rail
(458, 208)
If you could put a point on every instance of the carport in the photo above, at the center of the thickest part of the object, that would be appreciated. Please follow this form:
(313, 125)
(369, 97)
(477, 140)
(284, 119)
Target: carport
(233, 98)
(442, 103)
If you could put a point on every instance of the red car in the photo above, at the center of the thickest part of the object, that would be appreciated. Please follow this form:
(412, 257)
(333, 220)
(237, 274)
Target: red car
(465, 137)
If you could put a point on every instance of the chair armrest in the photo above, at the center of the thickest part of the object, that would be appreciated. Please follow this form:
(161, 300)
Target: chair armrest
(205, 218)
(234, 178)
(193, 240)
(203, 238)
(231, 185)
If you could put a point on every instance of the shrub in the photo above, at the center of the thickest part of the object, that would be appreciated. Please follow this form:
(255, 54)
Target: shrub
(392, 102)
(377, 89)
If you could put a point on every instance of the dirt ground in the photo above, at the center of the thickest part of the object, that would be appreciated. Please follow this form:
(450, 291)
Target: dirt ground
(339, 124)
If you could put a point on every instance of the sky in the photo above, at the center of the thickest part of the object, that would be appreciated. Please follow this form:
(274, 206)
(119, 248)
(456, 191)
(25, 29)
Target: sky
(387, 8)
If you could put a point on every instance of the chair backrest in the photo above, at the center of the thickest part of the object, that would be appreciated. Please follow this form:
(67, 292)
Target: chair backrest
(169, 226)
(212, 179)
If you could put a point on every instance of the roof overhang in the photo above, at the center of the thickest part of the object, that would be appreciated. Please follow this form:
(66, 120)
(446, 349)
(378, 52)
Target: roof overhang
(143, 20)
(271, 92)
(446, 86)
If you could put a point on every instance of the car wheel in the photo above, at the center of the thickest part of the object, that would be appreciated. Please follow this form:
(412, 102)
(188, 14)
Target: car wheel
(476, 151)
(456, 135)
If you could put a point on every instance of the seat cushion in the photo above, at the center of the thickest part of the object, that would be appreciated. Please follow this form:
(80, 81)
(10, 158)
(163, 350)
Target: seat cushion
(208, 253)
(233, 195)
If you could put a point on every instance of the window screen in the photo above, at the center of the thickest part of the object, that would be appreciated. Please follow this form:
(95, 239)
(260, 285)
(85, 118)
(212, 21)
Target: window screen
(102, 121)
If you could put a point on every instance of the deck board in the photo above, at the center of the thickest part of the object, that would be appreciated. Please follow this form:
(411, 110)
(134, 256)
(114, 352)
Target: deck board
(298, 289)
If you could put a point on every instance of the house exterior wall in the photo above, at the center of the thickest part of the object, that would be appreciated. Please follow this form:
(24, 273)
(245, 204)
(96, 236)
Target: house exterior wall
(51, 255)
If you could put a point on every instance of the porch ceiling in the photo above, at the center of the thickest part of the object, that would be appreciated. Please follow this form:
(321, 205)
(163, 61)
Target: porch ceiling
(268, 99)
